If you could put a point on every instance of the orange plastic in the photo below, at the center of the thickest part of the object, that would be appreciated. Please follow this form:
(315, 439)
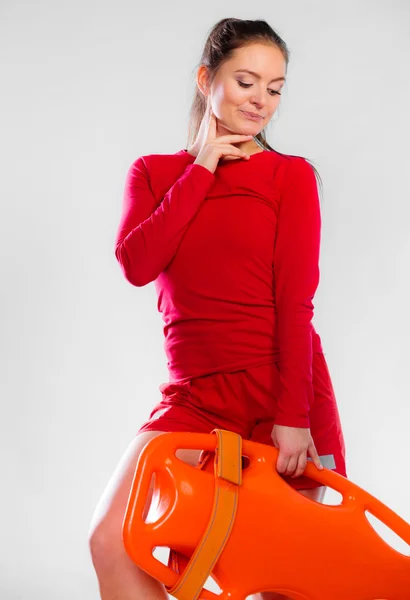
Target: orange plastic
(251, 531)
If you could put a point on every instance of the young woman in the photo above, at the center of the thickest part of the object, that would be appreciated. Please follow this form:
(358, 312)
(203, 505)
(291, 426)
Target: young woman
(229, 230)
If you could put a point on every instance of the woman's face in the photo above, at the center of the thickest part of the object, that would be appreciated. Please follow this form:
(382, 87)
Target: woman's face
(234, 91)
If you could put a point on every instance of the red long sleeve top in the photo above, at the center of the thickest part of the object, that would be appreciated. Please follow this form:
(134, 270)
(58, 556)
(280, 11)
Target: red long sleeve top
(235, 259)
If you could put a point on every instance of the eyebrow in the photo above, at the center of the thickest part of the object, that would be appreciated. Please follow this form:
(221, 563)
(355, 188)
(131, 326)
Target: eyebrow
(258, 76)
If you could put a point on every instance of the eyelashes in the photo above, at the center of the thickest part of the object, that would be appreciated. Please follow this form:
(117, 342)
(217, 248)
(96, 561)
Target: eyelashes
(246, 85)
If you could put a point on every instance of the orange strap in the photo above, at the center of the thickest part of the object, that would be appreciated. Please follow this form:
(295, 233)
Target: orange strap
(228, 476)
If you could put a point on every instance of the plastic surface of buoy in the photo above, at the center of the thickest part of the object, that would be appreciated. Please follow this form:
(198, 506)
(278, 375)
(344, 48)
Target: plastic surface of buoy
(251, 531)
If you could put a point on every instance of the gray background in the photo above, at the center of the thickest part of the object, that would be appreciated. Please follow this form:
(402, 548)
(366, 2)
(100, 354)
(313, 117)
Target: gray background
(87, 88)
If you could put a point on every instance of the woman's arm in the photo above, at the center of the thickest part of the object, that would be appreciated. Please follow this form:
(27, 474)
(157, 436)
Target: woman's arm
(147, 239)
(296, 276)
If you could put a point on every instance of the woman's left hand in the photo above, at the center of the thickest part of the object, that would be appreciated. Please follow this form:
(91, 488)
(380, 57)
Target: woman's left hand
(294, 443)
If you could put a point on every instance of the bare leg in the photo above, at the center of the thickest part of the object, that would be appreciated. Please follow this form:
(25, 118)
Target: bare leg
(118, 577)
(317, 494)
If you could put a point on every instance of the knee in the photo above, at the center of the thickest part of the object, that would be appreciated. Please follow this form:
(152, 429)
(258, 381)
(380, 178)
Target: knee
(105, 544)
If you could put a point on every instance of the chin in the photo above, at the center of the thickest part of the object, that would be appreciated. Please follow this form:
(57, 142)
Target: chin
(236, 126)
(246, 129)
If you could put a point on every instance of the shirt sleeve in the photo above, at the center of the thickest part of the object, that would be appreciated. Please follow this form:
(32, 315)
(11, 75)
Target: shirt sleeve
(148, 236)
(296, 277)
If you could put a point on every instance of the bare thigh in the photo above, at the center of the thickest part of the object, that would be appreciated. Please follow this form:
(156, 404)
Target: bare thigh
(316, 494)
(105, 532)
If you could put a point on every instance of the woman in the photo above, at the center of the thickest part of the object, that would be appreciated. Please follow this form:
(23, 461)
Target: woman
(229, 230)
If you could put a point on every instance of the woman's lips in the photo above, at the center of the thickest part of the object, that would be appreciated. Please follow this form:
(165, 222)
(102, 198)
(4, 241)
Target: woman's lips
(250, 116)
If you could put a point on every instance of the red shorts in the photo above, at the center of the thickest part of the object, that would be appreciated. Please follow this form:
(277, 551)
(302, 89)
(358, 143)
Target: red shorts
(244, 402)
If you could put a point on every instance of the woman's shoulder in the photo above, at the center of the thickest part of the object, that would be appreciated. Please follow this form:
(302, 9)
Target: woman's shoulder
(286, 159)
(155, 161)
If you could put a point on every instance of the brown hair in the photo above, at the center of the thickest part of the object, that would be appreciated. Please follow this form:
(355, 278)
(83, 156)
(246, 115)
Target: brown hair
(224, 38)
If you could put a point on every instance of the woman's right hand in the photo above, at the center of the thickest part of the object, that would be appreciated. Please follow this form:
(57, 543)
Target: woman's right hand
(212, 148)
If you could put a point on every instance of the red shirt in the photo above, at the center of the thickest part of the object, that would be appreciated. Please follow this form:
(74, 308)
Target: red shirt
(235, 259)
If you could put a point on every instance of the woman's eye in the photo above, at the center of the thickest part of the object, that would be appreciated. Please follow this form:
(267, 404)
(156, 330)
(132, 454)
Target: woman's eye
(246, 85)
